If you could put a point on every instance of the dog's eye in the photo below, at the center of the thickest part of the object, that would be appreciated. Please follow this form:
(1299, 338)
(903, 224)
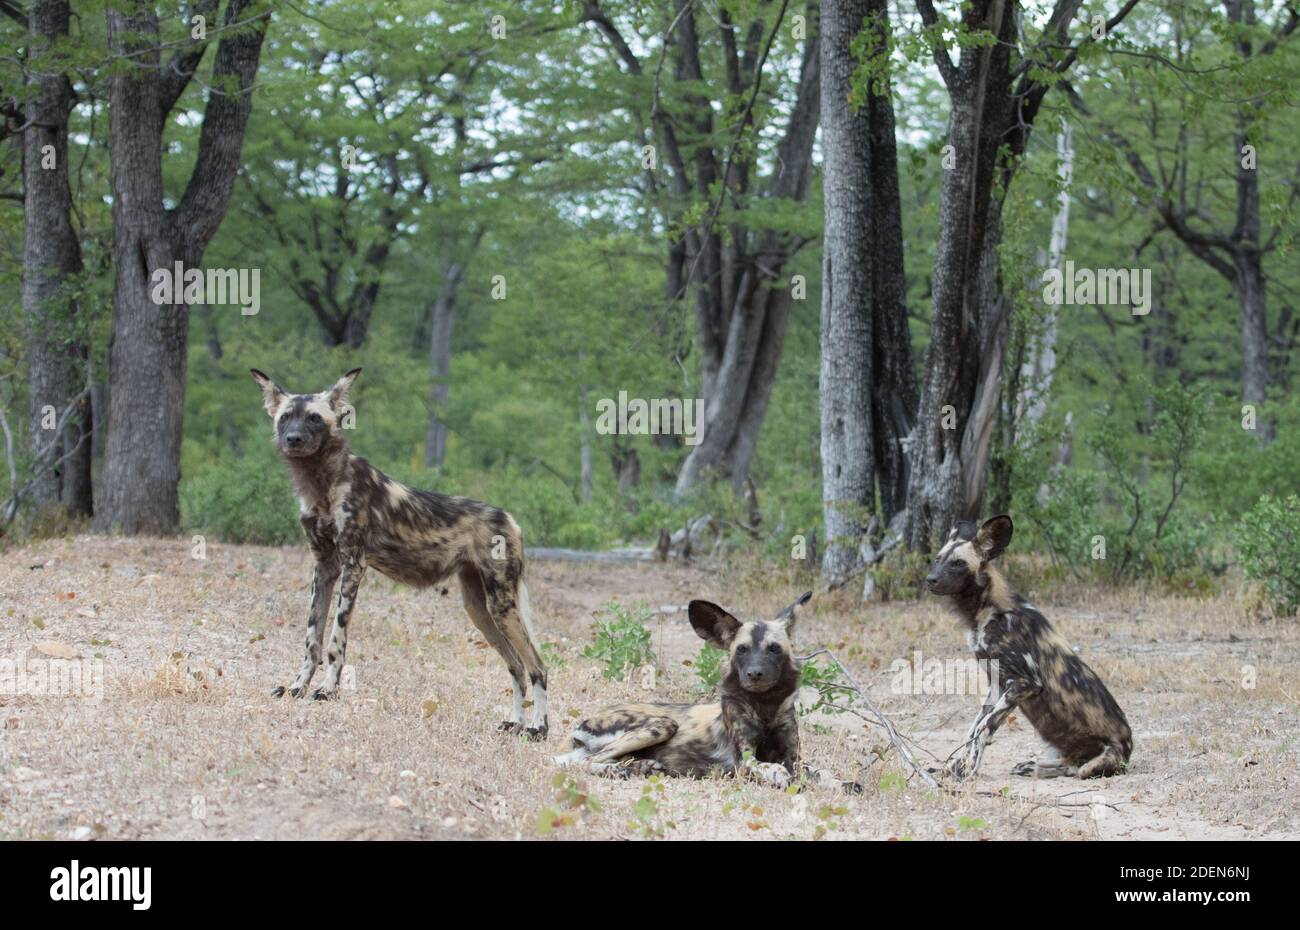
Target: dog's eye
(284, 417)
(742, 648)
(773, 648)
(315, 418)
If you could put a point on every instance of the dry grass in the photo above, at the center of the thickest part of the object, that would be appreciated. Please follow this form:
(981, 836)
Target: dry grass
(184, 742)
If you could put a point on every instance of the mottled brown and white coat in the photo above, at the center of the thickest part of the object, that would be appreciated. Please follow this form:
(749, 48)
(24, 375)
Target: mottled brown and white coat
(356, 516)
(1033, 667)
(753, 727)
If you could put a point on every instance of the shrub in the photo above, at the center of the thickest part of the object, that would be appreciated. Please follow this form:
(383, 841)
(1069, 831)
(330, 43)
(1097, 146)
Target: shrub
(622, 642)
(245, 500)
(708, 667)
(1268, 541)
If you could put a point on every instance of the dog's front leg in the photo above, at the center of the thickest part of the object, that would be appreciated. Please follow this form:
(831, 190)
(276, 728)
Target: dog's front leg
(354, 567)
(325, 574)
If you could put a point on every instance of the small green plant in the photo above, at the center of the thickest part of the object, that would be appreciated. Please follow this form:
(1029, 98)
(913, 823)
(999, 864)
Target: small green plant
(829, 818)
(621, 642)
(647, 819)
(966, 824)
(552, 655)
(708, 667)
(1268, 541)
(830, 690)
(571, 802)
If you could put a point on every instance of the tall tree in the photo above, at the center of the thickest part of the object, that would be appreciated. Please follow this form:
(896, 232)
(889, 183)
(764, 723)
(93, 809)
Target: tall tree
(148, 355)
(1184, 200)
(734, 267)
(56, 355)
(867, 383)
(996, 89)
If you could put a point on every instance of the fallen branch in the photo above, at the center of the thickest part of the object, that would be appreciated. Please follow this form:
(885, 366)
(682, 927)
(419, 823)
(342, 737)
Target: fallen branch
(895, 740)
(10, 509)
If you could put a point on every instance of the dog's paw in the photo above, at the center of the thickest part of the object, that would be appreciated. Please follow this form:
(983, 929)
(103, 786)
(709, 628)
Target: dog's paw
(1028, 769)
(320, 694)
(508, 726)
(279, 691)
(851, 787)
(536, 734)
(772, 773)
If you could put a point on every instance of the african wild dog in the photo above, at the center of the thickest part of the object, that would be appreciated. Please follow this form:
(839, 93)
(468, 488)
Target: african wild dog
(753, 728)
(1035, 668)
(355, 516)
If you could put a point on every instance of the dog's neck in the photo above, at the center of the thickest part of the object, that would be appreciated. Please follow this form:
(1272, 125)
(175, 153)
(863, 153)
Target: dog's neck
(766, 707)
(316, 476)
(993, 594)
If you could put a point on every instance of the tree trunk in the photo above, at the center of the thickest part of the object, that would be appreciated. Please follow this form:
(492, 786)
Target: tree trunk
(894, 391)
(1040, 360)
(148, 354)
(443, 320)
(584, 429)
(967, 336)
(56, 356)
(742, 304)
(845, 384)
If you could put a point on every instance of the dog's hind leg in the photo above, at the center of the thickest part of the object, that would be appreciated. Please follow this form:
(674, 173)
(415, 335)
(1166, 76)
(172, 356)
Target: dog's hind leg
(518, 627)
(1110, 761)
(1048, 765)
(649, 732)
(476, 605)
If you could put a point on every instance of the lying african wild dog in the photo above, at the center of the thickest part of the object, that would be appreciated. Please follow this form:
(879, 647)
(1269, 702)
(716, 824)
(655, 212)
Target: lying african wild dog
(752, 728)
(1036, 670)
(355, 516)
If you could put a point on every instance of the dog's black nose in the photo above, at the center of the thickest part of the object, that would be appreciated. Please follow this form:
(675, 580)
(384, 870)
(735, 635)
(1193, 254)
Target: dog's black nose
(293, 440)
(753, 675)
(932, 579)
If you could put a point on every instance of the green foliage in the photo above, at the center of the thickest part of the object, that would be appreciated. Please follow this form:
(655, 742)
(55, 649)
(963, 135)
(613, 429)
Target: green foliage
(900, 574)
(621, 642)
(571, 802)
(831, 690)
(707, 665)
(1268, 540)
(241, 501)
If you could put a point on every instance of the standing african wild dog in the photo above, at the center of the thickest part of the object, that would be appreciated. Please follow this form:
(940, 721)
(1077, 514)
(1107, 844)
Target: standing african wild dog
(1036, 670)
(752, 728)
(355, 516)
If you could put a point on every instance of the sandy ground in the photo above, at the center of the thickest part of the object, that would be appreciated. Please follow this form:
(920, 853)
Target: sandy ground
(172, 733)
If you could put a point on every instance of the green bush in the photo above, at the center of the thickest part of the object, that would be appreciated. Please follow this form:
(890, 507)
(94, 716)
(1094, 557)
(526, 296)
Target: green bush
(621, 642)
(244, 500)
(1268, 541)
(708, 667)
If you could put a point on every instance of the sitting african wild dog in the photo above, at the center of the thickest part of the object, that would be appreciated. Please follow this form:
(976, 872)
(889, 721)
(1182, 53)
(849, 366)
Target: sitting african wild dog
(1034, 668)
(356, 516)
(753, 728)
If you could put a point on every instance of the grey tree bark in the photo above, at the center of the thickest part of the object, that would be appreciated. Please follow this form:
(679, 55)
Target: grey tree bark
(56, 355)
(147, 359)
(995, 100)
(440, 329)
(845, 383)
(1040, 358)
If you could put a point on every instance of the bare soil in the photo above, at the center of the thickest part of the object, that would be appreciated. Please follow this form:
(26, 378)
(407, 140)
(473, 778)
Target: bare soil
(179, 738)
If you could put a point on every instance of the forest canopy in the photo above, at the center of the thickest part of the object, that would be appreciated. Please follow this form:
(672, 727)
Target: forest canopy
(1032, 257)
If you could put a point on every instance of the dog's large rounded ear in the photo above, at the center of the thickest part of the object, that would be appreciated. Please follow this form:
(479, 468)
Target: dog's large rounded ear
(790, 616)
(713, 624)
(339, 392)
(994, 537)
(272, 394)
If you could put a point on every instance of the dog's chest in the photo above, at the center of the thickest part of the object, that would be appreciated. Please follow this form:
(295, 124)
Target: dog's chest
(330, 509)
